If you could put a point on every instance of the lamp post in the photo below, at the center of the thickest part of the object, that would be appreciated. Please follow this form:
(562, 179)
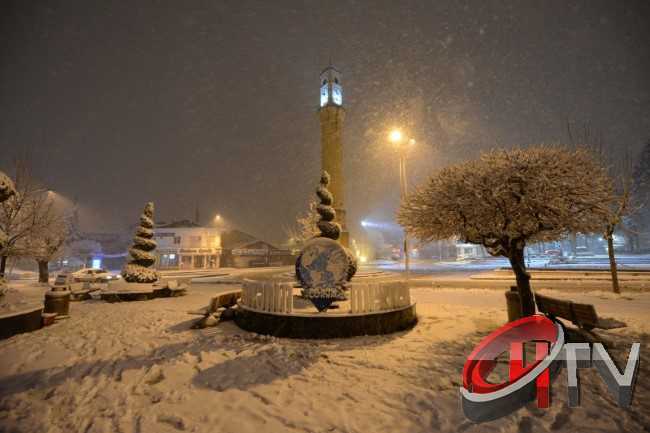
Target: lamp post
(402, 145)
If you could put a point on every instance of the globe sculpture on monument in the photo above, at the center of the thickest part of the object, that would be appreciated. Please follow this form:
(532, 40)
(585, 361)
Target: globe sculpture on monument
(325, 267)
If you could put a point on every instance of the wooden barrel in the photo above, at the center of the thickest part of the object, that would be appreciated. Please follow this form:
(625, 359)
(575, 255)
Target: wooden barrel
(57, 301)
(514, 304)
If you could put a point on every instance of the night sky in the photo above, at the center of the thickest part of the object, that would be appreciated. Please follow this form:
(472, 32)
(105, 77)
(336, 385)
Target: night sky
(214, 102)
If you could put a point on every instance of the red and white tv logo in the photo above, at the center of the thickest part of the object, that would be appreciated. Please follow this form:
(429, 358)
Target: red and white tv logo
(484, 401)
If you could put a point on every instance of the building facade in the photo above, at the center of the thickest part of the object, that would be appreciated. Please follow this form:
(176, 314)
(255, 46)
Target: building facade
(258, 254)
(186, 245)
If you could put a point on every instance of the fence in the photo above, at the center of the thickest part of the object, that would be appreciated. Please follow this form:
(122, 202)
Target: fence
(364, 297)
(268, 296)
(369, 297)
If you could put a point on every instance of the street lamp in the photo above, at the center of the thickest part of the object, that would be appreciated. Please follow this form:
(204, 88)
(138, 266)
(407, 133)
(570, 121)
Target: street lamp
(396, 137)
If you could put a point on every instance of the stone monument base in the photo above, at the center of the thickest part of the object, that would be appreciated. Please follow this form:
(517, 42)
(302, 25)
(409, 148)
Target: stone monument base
(319, 325)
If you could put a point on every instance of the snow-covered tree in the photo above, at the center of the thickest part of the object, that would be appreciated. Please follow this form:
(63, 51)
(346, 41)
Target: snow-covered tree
(47, 240)
(7, 187)
(7, 190)
(305, 227)
(640, 195)
(510, 198)
(618, 164)
(17, 214)
(139, 269)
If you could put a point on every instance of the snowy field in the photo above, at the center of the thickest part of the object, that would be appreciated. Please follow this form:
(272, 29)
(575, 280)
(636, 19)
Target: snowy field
(138, 367)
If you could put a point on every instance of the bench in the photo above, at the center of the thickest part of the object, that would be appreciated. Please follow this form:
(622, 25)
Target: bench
(223, 301)
(582, 315)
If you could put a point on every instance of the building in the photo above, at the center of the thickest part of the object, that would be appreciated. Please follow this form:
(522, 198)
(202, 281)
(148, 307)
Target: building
(187, 245)
(466, 251)
(332, 114)
(257, 254)
(242, 250)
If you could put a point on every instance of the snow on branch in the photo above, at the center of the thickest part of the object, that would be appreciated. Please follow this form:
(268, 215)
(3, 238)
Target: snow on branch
(508, 198)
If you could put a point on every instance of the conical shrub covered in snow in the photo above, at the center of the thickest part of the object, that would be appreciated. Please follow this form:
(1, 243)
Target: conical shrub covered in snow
(139, 269)
(328, 228)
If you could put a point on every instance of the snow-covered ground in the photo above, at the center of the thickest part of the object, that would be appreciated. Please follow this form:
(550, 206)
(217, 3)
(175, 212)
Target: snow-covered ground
(138, 367)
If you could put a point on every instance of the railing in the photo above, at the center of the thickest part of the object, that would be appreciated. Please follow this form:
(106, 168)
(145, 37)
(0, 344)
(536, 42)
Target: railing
(268, 296)
(275, 297)
(370, 297)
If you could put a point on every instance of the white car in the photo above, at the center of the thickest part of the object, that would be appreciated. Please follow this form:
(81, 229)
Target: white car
(93, 275)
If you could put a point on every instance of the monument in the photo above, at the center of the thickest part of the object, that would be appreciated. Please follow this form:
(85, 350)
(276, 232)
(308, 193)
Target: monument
(324, 266)
(332, 114)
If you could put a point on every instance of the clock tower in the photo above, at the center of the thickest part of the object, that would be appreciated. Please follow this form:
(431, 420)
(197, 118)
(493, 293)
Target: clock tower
(332, 114)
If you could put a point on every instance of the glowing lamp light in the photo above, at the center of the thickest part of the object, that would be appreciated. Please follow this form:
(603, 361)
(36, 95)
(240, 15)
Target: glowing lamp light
(395, 136)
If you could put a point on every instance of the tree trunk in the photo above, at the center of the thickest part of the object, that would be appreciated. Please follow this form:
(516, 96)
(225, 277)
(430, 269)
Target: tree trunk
(3, 265)
(43, 272)
(609, 236)
(523, 282)
(574, 243)
(634, 243)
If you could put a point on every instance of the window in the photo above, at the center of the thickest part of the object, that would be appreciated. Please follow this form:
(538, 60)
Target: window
(177, 239)
(336, 80)
(324, 82)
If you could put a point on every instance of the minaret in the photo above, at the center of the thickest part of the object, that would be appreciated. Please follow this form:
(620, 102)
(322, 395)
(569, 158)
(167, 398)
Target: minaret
(332, 113)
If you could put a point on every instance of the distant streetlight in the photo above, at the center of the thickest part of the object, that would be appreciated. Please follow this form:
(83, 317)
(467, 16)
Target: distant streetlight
(219, 222)
(397, 138)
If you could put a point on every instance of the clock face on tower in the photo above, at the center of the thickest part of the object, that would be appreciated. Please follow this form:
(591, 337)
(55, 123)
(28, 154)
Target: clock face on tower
(337, 96)
(323, 95)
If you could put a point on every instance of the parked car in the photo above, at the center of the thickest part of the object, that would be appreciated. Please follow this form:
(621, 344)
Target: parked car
(93, 275)
(63, 281)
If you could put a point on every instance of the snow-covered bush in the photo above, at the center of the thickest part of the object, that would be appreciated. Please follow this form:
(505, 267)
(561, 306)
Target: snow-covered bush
(139, 269)
(328, 228)
(510, 198)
